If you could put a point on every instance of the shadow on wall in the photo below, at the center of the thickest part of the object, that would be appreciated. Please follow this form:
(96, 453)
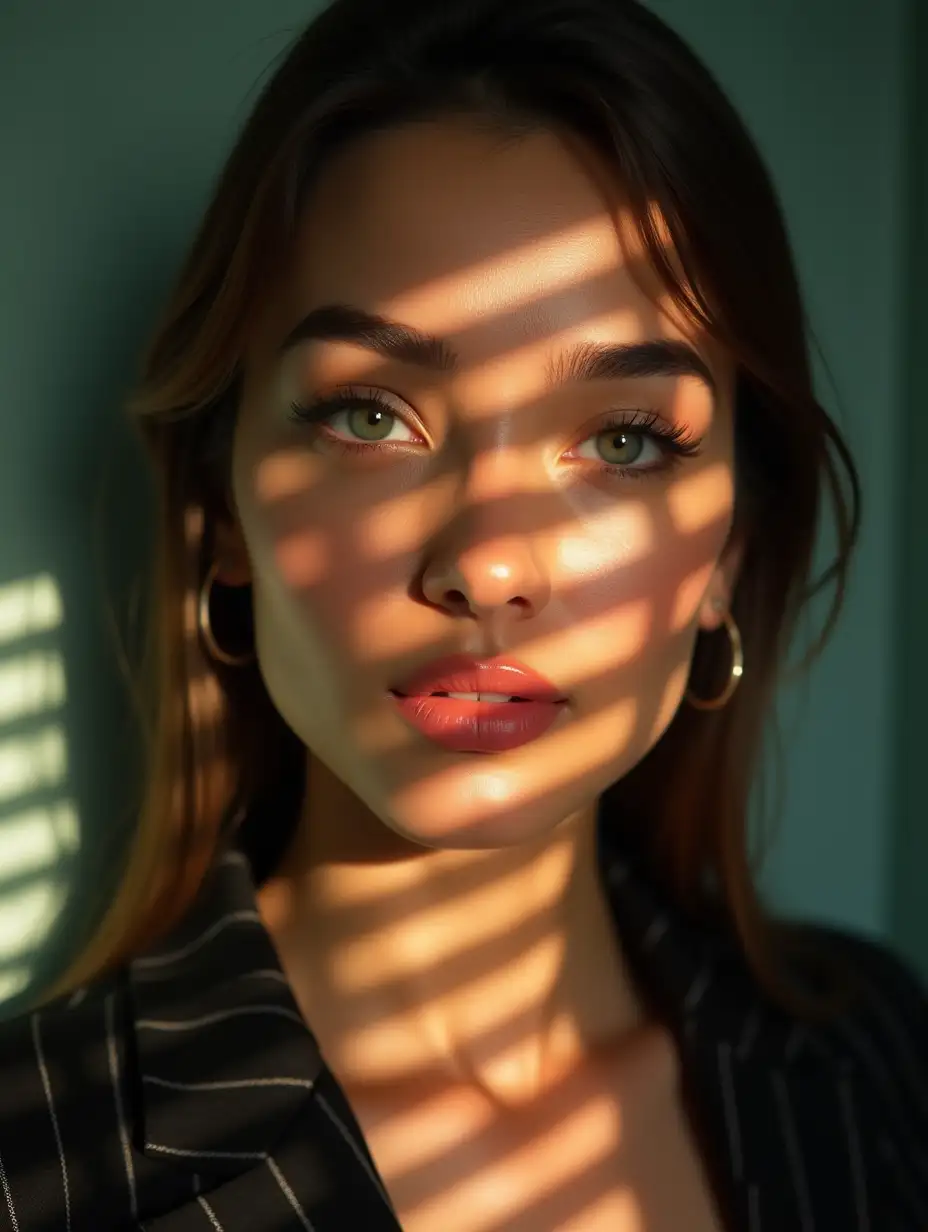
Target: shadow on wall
(40, 836)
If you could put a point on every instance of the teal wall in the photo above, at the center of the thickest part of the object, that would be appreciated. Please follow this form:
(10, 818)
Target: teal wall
(823, 86)
(909, 902)
(114, 118)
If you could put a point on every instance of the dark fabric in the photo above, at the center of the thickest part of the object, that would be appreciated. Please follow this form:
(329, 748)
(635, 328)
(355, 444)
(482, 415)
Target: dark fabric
(188, 1094)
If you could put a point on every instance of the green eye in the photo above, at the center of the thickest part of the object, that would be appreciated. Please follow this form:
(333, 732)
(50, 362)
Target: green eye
(619, 448)
(369, 423)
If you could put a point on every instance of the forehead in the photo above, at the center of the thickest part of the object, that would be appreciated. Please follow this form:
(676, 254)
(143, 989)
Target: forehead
(494, 244)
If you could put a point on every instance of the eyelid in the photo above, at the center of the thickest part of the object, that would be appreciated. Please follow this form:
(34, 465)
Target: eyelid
(674, 440)
(325, 404)
(368, 393)
(644, 421)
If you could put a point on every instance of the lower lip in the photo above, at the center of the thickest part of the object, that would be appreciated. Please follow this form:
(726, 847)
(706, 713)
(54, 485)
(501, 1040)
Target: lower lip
(478, 727)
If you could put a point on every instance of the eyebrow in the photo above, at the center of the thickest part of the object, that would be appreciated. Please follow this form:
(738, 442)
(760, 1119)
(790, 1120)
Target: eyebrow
(586, 361)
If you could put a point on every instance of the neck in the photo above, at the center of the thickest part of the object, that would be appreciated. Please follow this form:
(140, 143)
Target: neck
(496, 968)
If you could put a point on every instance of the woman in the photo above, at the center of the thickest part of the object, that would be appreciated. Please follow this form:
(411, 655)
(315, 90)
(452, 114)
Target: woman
(490, 472)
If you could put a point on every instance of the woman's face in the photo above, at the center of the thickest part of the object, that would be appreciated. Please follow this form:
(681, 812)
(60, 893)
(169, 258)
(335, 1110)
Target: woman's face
(499, 477)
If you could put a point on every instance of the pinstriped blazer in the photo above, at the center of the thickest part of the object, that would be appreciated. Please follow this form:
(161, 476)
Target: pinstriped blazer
(187, 1094)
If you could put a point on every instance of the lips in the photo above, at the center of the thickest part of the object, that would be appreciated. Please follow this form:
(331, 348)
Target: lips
(477, 705)
(462, 674)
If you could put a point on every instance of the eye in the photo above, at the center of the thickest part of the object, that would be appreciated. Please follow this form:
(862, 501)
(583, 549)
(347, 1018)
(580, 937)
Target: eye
(369, 423)
(623, 447)
(355, 419)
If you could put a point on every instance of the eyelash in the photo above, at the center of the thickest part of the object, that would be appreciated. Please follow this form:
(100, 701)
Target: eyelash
(674, 440)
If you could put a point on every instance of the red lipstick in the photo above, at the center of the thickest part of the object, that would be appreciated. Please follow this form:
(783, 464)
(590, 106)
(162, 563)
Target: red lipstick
(472, 705)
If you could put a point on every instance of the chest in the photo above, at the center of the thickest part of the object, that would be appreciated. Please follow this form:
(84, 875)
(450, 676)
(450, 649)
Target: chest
(601, 1152)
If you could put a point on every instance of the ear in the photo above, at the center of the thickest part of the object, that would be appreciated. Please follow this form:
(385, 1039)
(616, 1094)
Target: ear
(720, 591)
(234, 565)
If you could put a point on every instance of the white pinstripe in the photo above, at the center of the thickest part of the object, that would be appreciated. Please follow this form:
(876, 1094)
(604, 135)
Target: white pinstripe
(205, 1020)
(264, 973)
(47, 1086)
(730, 1105)
(289, 1195)
(154, 962)
(120, 1111)
(235, 859)
(656, 929)
(184, 1153)
(697, 990)
(864, 1047)
(793, 1153)
(861, 1205)
(690, 1028)
(358, 1153)
(749, 1033)
(236, 1084)
(11, 1211)
(753, 1209)
(918, 1074)
(889, 1153)
(211, 1214)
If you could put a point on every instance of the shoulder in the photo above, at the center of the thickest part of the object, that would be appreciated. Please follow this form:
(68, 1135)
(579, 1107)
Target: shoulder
(63, 1105)
(825, 1117)
(74, 1107)
(877, 961)
(886, 1009)
(880, 1042)
(889, 997)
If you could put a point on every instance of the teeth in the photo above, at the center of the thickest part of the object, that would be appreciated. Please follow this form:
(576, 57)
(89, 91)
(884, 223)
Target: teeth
(479, 697)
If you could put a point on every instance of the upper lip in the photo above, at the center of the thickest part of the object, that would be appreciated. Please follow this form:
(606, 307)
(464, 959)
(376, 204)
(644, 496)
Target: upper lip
(465, 674)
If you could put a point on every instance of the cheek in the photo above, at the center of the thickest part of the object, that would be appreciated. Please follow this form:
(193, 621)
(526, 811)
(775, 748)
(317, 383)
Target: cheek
(634, 578)
(312, 549)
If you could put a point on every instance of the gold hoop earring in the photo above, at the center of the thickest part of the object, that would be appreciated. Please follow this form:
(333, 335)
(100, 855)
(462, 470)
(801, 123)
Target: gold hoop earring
(734, 676)
(205, 625)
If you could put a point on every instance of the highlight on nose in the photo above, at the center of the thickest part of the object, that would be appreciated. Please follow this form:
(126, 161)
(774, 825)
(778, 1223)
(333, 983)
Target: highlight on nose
(484, 579)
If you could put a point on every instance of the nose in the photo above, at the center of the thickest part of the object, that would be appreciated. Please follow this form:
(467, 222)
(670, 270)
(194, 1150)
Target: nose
(496, 577)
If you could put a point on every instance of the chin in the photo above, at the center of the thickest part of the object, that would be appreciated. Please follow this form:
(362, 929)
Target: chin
(519, 828)
(483, 804)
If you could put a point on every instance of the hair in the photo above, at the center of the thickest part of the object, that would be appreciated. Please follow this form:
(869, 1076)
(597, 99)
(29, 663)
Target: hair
(610, 73)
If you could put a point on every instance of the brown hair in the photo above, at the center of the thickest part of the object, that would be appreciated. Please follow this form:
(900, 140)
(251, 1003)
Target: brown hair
(612, 74)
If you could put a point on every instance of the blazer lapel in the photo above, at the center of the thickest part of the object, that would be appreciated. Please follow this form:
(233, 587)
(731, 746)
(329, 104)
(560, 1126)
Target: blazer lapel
(225, 1060)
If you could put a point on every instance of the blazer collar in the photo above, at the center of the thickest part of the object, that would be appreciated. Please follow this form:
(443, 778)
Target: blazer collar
(224, 1057)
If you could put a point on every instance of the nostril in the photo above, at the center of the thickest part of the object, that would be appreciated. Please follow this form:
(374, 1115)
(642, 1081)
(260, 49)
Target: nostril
(456, 602)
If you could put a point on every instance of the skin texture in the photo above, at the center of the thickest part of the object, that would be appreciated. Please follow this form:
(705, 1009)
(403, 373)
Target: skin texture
(439, 914)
